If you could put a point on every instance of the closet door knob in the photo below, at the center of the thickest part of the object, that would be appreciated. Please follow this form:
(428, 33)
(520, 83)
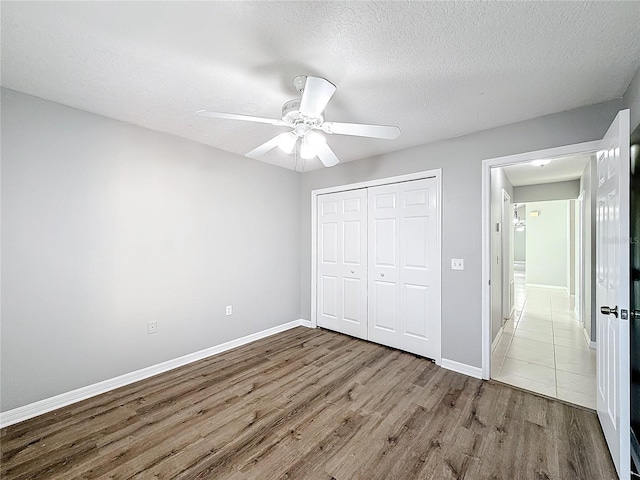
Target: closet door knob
(382, 274)
(352, 271)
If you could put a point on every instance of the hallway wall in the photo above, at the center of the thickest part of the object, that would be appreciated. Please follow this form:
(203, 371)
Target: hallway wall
(587, 185)
(547, 243)
(499, 182)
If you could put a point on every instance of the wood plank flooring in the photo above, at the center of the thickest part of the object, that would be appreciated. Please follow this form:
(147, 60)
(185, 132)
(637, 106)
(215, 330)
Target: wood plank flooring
(310, 404)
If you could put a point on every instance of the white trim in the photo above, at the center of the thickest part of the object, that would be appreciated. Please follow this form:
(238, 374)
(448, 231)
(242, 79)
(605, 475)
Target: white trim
(435, 173)
(565, 150)
(580, 289)
(587, 338)
(53, 403)
(306, 323)
(506, 225)
(475, 372)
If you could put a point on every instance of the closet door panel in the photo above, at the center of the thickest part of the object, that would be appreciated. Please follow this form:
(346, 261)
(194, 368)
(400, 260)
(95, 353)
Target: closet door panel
(405, 259)
(384, 294)
(329, 297)
(351, 300)
(342, 266)
(416, 301)
(385, 308)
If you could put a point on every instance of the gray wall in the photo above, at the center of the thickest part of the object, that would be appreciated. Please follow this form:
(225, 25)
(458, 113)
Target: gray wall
(499, 181)
(460, 159)
(631, 100)
(548, 244)
(106, 226)
(588, 185)
(547, 191)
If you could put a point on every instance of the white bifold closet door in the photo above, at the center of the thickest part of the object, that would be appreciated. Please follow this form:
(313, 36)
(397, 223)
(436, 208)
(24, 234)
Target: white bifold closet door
(404, 267)
(379, 265)
(342, 262)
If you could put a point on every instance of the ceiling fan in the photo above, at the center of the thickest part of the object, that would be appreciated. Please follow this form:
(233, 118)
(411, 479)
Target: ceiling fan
(305, 116)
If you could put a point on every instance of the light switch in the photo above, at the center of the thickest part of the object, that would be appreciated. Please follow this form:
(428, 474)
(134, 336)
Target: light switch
(457, 264)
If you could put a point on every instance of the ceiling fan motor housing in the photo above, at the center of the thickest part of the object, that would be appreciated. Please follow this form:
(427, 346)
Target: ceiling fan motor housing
(291, 114)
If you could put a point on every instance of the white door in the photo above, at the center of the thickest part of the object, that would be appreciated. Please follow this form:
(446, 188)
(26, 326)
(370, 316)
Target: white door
(612, 294)
(342, 262)
(404, 267)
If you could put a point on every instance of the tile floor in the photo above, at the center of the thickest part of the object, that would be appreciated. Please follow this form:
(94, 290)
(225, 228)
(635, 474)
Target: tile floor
(543, 348)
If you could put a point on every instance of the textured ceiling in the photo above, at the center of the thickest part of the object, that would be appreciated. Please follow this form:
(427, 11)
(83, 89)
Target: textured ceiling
(558, 170)
(436, 69)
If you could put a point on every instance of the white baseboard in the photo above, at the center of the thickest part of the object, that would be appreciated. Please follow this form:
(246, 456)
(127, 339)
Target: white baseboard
(541, 285)
(463, 368)
(306, 323)
(53, 403)
(497, 339)
(587, 338)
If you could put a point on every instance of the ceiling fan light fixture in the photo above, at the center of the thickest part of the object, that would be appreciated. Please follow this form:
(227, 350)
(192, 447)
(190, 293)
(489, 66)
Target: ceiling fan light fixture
(287, 141)
(304, 115)
(311, 142)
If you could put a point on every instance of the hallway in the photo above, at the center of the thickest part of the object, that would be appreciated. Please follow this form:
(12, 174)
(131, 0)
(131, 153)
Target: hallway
(543, 347)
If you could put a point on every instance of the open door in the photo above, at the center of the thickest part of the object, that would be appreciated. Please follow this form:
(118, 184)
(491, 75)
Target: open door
(612, 294)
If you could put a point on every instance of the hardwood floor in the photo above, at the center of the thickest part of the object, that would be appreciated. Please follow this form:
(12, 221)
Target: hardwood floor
(310, 404)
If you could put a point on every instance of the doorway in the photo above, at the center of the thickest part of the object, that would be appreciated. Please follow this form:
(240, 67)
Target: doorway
(540, 298)
(610, 202)
(543, 348)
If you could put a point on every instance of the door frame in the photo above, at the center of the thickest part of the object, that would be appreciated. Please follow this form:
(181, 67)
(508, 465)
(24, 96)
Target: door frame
(580, 294)
(563, 151)
(435, 173)
(506, 242)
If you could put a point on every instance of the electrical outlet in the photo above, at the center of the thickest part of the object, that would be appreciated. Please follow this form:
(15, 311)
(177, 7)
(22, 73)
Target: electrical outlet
(152, 327)
(229, 309)
(457, 264)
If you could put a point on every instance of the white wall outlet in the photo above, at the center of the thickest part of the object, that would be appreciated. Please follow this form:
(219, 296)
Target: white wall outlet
(457, 264)
(152, 327)
(229, 310)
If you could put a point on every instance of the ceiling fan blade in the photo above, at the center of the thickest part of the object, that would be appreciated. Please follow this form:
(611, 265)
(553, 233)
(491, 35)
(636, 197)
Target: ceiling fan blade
(326, 155)
(315, 96)
(361, 130)
(246, 118)
(268, 145)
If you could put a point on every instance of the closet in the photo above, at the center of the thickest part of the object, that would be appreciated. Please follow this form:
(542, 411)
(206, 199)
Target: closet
(378, 264)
